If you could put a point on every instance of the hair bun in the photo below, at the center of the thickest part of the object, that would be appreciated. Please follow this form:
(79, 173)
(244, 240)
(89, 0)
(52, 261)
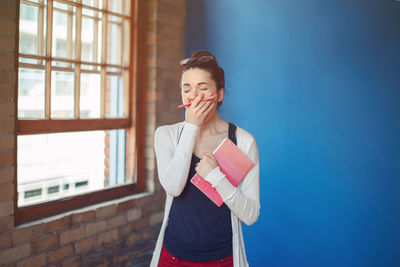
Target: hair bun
(201, 53)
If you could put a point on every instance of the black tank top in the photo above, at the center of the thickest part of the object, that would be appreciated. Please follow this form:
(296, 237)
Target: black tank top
(199, 230)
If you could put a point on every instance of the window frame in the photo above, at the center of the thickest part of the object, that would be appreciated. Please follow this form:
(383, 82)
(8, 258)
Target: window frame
(134, 125)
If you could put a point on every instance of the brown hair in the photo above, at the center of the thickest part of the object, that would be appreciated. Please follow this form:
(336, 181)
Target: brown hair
(206, 61)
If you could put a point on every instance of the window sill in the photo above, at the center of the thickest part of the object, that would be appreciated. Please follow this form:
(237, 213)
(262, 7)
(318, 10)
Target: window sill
(118, 205)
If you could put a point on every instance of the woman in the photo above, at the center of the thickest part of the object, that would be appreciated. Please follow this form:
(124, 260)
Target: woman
(195, 231)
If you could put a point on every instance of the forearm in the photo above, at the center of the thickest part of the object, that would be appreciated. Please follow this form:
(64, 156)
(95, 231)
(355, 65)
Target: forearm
(244, 205)
(173, 166)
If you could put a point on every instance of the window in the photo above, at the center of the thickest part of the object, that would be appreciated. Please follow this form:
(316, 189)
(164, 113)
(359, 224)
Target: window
(80, 138)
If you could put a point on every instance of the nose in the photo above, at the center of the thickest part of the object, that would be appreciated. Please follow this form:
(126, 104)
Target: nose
(193, 95)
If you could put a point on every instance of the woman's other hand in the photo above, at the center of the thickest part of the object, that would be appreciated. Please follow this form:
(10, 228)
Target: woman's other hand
(206, 164)
(198, 110)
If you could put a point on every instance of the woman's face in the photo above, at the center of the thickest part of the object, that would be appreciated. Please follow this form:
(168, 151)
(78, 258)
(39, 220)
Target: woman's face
(197, 81)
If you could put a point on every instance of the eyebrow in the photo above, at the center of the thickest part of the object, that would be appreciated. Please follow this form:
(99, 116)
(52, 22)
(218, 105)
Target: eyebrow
(200, 83)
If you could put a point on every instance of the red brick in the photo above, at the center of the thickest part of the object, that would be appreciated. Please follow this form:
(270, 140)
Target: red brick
(95, 227)
(151, 28)
(6, 207)
(151, 73)
(7, 44)
(152, 39)
(7, 109)
(8, 10)
(5, 241)
(72, 261)
(107, 237)
(83, 217)
(179, 23)
(36, 261)
(106, 211)
(155, 207)
(60, 253)
(27, 234)
(6, 191)
(6, 224)
(6, 174)
(141, 224)
(7, 77)
(72, 235)
(143, 201)
(6, 92)
(134, 214)
(152, 6)
(15, 254)
(156, 218)
(59, 224)
(7, 125)
(45, 244)
(8, 27)
(152, 16)
(120, 258)
(133, 238)
(7, 60)
(86, 244)
(116, 221)
(126, 205)
(6, 158)
(125, 230)
(6, 141)
(154, 96)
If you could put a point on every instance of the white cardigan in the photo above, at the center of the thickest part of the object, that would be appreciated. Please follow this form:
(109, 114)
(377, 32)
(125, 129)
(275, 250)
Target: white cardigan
(173, 163)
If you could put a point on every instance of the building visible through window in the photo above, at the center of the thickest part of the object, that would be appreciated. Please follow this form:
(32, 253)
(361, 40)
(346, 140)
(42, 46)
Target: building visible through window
(74, 67)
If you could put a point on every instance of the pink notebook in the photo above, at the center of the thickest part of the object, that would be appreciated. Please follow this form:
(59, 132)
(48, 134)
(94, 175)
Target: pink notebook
(233, 162)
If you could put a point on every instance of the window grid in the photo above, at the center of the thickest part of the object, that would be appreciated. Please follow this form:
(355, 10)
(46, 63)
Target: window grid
(75, 65)
(39, 57)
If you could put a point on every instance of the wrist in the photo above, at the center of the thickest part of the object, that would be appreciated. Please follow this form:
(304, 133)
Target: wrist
(215, 176)
(192, 122)
(191, 126)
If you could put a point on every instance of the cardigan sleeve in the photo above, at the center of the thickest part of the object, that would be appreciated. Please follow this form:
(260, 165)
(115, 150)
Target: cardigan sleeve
(244, 200)
(173, 164)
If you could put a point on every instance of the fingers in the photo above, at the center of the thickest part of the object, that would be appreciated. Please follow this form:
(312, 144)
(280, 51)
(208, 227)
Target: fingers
(208, 110)
(208, 154)
(203, 107)
(198, 110)
(196, 101)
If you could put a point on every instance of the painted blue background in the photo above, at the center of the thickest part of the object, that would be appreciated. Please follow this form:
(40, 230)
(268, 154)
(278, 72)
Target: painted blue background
(318, 85)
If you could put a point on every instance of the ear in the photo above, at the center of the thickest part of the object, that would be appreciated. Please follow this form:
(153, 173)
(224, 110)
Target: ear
(220, 94)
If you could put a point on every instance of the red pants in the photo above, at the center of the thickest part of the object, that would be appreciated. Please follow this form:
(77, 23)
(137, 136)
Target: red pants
(167, 260)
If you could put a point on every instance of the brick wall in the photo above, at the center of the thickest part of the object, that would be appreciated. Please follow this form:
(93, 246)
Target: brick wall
(115, 233)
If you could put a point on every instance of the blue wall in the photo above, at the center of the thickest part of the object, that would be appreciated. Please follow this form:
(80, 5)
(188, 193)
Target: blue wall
(318, 85)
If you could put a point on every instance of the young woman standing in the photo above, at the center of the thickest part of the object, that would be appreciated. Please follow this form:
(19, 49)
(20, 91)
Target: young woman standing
(195, 231)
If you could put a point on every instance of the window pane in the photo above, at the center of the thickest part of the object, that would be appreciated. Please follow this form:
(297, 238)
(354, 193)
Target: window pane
(114, 40)
(90, 95)
(31, 93)
(64, 31)
(126, 30)
(91, 38)
(115, 95)
(91, 68)
(93, 3)
(62, 94)
(52, 166)
(28, 29)
(119, 6)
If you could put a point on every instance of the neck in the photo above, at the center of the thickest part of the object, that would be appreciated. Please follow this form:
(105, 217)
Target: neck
(212, 125)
